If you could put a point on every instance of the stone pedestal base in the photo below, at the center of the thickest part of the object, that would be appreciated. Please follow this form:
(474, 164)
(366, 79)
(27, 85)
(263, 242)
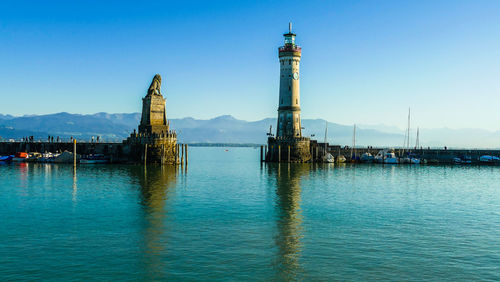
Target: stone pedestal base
(153, 149)
(288, 150)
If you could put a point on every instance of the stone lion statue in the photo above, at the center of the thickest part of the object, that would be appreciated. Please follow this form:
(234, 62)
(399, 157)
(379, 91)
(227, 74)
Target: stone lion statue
(155, 87)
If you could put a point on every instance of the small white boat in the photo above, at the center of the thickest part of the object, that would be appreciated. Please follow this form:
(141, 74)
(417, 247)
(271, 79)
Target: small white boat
(328, 158)
(48, 157)
(414, 160)
(386, 156)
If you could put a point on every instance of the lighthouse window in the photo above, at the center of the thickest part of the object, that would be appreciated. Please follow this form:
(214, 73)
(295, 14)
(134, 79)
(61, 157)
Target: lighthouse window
(289, 62)
(289, 88)
(296, 101)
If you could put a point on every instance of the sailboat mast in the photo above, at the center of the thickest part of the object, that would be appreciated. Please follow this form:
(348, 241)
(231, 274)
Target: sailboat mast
(326, 134)
(354, 140)
(417, 142)
(408, 129)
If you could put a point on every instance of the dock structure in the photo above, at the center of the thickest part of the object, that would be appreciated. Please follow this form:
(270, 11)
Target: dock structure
(117, 151)
(155, 142)
(288, 144)
(430, 155)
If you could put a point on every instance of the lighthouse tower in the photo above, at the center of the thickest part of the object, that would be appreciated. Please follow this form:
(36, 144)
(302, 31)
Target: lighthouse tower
(289, 125)
(289, 144)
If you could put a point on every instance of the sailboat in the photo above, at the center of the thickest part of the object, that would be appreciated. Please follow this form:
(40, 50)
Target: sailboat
(327, 158)
(413, 158)
(410, 158)
(353, 148)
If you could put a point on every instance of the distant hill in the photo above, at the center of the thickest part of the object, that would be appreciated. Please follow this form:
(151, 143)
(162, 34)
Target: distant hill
(227, 129)
(4, 117)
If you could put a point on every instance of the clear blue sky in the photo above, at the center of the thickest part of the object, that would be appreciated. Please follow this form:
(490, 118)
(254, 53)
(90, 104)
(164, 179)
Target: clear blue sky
(363, 62)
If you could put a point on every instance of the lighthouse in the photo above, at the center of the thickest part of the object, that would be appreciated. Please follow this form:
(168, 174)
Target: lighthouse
(289, 145)
(289, 54)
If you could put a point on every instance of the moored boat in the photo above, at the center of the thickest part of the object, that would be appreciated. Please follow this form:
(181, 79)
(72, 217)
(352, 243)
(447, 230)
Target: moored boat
(341, 159)
(47, 158)
(33, 157)
(367, 158)
(94, 159)
(415, 161)
(20, 157)
(328, 158)
(386, 156)
(6, 159)
(390, 158)
(489, 159)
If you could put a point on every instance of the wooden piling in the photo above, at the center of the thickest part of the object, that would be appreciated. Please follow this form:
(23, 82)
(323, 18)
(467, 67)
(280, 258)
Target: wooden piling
(288, 153)
(279, 153)
(145, 154)
(186, 158)
(182, 154)
(162, 153)
(74, 152)
(176, 153)
(261, 153)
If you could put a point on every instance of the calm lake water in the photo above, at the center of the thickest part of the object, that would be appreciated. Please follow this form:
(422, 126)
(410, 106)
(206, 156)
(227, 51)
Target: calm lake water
(230, 218)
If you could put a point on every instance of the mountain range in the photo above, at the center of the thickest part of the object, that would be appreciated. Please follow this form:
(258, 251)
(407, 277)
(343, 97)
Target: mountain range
(227, 129)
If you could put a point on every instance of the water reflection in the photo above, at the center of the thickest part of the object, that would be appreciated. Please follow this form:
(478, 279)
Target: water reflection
(75, 186)
(154, 183)
(289, 217)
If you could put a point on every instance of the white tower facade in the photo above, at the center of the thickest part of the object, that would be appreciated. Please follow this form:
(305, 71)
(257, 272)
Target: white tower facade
(289, 124)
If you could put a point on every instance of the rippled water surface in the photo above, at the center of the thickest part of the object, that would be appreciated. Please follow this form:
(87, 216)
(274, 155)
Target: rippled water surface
(228, 217)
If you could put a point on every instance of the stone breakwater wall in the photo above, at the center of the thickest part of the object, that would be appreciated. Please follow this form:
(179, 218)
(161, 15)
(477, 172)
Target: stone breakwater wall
(118, 151)
(272, 152)
(133, 150)
(432, 155)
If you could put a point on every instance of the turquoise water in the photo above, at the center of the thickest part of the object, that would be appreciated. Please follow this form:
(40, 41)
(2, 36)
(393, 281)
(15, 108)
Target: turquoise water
(228, 218)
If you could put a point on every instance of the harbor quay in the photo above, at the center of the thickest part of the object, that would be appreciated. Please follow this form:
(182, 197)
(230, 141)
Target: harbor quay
(282, 152)
(143, 150)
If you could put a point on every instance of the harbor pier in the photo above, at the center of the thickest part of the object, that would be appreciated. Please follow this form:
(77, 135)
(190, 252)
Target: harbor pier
(115, 152)
(430, 155)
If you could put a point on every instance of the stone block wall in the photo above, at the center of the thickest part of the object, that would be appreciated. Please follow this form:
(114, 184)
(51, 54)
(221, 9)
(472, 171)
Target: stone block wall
(280, 148)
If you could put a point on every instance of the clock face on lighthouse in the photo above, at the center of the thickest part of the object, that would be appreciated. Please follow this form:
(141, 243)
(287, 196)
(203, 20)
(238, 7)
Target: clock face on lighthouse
(295, 75)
